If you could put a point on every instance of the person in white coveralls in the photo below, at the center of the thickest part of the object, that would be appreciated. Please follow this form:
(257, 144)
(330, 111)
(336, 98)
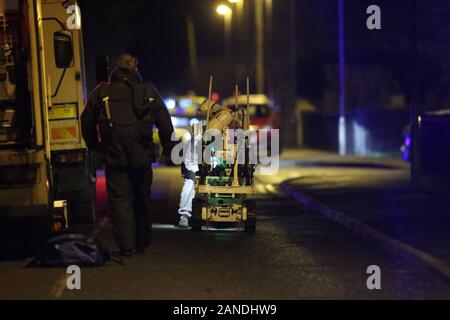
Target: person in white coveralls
(189, 169)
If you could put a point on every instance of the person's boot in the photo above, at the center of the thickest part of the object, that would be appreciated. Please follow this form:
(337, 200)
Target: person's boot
(184, 222)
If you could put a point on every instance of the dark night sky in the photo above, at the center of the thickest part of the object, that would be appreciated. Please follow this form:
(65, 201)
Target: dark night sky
(154, 30)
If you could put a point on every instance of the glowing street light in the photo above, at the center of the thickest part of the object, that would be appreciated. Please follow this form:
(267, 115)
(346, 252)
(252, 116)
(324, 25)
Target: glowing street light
(223, 10)
(227, 14)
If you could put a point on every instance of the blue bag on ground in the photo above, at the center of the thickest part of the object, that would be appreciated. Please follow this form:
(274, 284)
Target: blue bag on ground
(72, 249)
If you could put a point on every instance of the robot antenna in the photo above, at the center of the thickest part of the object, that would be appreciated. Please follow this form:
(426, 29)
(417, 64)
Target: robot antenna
(209, 99)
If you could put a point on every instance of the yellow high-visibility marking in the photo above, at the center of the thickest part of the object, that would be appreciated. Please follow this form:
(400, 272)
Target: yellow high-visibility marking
(62, 112)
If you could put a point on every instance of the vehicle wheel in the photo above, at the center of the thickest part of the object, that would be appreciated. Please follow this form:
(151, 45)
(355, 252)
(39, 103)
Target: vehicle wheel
(250, 224)
(196, 220)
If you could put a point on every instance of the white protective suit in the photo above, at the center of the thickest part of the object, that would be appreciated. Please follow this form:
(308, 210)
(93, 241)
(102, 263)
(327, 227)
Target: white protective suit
(189, 170)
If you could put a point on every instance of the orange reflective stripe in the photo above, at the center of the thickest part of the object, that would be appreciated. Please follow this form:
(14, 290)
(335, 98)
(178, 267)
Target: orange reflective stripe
(64, 133)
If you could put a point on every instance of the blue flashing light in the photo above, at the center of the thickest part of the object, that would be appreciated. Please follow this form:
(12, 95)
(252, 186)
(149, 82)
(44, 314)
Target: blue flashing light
(185, 103)
(170, 103)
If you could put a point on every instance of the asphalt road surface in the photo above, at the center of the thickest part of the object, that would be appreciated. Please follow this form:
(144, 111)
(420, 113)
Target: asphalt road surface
(295, 254)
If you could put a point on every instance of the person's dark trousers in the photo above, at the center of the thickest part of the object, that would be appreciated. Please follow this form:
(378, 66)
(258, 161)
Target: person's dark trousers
(129, 199)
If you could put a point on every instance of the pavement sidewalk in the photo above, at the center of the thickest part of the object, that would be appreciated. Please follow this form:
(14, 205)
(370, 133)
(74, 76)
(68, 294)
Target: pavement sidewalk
(377, 193)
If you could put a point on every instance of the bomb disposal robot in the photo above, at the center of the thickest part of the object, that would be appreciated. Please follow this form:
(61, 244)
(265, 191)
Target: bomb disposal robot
(223, 185)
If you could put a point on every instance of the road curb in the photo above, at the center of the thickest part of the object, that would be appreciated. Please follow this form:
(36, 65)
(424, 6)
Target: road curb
(389, 243)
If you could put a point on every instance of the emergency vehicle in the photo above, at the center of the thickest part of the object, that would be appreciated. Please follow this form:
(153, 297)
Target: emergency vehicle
(45, 167)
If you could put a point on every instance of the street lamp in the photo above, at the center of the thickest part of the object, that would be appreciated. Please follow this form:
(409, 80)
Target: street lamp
(342, 119)
(223, 10)
(260, 46)
(227, 14)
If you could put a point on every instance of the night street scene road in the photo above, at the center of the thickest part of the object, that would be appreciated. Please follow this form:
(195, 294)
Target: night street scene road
(246, 152)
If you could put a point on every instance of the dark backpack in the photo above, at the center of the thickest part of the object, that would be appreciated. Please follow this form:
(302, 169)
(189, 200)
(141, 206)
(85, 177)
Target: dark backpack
(71, 249)
(114, 115)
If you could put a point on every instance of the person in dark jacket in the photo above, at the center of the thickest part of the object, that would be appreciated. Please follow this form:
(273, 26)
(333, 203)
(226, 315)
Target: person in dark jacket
(118, 122)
